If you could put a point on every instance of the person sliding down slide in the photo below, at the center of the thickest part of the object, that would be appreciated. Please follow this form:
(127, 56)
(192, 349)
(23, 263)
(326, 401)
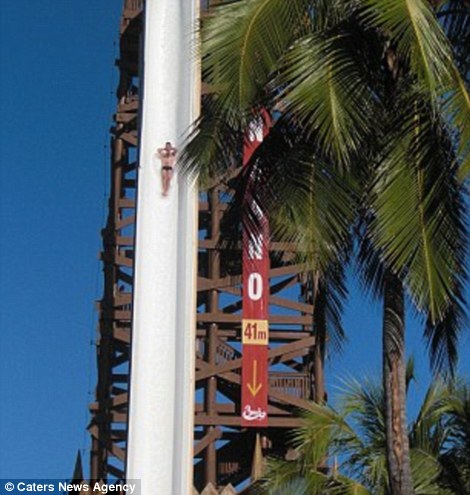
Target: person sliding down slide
(167, 155)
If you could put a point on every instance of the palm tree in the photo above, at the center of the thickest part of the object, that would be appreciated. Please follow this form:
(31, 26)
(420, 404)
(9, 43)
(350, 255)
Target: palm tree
(414, 223)
(370, 96)
(355, 437)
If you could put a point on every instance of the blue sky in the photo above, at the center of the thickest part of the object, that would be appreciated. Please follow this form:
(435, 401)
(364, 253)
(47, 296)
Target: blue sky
(57, 76)
(57, 82)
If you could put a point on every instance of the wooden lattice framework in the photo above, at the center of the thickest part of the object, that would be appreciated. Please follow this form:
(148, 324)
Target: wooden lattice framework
(223, 450)
(108, 426)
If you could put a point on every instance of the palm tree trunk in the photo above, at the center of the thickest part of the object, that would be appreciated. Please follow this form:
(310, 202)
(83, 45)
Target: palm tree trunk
(394, 376)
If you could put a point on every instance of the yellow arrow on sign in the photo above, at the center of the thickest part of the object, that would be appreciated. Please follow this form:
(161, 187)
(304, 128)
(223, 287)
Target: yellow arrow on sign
(254, 388)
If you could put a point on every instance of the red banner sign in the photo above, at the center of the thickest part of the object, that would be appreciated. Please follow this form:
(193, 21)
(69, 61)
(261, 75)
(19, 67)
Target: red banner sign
(255, 327)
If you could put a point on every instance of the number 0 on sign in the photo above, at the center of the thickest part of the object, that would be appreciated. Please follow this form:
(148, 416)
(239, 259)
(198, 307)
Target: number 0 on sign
(255, 332)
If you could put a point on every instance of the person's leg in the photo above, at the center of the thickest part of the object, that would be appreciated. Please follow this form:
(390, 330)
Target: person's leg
(165, 182)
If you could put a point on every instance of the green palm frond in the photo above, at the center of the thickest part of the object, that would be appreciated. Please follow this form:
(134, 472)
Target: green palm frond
(443, 337)
(454, 16)
(418, 206)
(326, 14)
(326, 94)
(329, 302)
(456, 458)
(213, 148)
(241, 46)
(410, 372)
(425, 472)
(460, 420)
(282, 479)
(310, 203)
(457, 107)
(323, 433)
(418, 39)
(370, 261)
(416, 36)
(455, 478)
(364, 402)
(428, 432)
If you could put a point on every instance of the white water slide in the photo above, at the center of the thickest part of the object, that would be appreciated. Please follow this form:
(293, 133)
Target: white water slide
(160, 441)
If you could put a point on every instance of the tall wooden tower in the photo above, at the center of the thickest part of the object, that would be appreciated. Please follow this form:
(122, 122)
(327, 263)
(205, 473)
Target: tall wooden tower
(224, 450)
